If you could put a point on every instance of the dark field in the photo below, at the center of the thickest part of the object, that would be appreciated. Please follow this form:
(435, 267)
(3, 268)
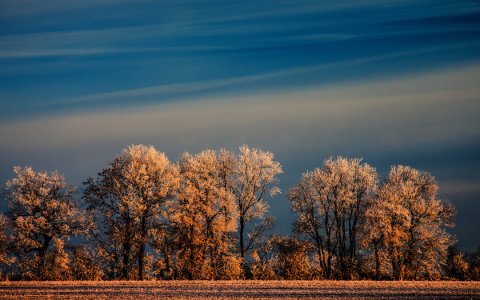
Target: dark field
(240, 290)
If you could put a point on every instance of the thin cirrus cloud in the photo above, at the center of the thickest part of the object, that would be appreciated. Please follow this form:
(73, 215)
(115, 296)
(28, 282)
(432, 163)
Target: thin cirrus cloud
(439, 99)
(176, 35)
(31, 7)
(204, 85)
(118, 41)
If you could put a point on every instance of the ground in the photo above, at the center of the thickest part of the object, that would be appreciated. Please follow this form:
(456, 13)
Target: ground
(240, 290)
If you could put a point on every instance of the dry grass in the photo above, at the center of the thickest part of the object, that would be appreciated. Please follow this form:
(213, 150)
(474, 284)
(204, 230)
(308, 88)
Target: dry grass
(240, 290)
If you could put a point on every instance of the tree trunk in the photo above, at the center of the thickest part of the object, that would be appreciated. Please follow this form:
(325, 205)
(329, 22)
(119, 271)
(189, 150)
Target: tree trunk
(242, 244)
(42, 253)
(191, 262)
(141, 250)
(126, 261)
(127, 249)
(377, 261)
(141, 255)
(242, 228)
(321, 257)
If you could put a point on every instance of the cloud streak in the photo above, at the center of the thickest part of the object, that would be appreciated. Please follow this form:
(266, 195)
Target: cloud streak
(200, 34)
(389, 104)
(15, 8)
(204, 85)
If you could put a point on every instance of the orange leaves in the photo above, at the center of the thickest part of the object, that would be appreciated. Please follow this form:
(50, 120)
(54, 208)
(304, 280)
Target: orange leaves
(43, 215)
(411, 221)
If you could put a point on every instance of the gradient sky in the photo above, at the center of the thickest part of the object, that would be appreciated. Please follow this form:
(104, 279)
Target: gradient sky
(394, 82)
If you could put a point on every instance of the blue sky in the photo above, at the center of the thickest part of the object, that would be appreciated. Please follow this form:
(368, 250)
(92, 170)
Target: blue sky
(394, 82)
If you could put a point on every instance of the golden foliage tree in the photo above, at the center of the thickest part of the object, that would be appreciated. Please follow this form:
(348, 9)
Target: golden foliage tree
(128, 198)
(43, 215)
(407, 226)
(330, 204)
(203, 218)
(254, 176)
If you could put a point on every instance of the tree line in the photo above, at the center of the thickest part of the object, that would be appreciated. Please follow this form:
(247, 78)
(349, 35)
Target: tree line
(206, 217)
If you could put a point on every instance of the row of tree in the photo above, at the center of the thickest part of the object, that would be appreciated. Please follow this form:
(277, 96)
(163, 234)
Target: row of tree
(205, 217)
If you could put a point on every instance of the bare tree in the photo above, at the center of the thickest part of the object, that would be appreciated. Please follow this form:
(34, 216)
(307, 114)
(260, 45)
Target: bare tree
(127, 198)
(330, 204)
(43, 214)
(408, 226)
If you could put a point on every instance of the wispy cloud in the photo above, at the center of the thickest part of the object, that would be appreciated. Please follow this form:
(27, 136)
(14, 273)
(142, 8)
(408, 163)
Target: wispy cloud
(15, 8)
(217, 32)
(297, 8)
(62, 52)
(459, 187)
(389, 107)
(180, 88)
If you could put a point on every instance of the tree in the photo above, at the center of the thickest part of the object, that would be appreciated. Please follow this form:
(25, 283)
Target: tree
(456, 266)
(292, 258)
(254, 176)
(474, 265)
(57, 265)
(330, 204)
(43, 215)
(85, 264)
(262, 264)
(202, 218)
(283, 257)
(127, 199)
(408, 225)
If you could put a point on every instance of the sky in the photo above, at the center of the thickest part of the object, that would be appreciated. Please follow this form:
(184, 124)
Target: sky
(392, 82)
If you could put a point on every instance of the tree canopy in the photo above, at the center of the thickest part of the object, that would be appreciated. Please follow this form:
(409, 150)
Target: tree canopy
(206, 216)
